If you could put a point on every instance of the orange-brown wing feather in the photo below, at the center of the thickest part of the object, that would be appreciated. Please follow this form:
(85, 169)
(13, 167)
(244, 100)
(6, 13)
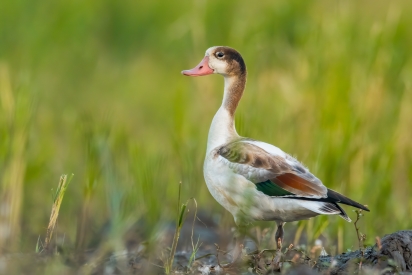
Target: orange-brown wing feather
(289, 175)
(298, 185)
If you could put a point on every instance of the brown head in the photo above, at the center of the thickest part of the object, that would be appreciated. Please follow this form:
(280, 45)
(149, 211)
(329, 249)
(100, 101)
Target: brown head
(219, 60)
(229, 63)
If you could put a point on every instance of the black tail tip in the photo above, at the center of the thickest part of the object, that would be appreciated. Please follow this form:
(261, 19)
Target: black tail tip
(365, 207)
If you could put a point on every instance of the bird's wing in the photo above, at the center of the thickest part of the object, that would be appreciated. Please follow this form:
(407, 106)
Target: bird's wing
(274, 172)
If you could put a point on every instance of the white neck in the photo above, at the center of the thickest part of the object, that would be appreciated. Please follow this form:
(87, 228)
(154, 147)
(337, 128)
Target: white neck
(223, 128)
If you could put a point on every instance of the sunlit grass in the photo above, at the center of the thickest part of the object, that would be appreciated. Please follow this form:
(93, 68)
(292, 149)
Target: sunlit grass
(95, 88)
(57, 201)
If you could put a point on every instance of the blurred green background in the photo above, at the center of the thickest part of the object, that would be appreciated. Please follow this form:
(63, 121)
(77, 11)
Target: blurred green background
(94, 88)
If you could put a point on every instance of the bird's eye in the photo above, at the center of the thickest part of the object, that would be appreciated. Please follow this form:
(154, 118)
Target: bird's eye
(220, 54)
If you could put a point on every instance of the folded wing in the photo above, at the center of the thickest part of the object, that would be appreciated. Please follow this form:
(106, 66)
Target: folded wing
(274, 172)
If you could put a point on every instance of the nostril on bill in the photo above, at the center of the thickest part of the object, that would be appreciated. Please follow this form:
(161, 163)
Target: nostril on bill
(200, 67)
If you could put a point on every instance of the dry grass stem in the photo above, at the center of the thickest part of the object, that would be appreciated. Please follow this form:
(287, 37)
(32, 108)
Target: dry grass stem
(57, 201)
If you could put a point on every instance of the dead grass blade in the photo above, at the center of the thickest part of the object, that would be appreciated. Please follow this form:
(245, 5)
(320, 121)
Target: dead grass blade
(57, 201)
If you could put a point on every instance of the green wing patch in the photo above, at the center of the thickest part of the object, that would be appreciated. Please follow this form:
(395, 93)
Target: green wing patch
(271, 189)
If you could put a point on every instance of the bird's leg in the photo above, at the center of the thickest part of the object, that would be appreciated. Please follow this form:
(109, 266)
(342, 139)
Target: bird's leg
(277, 260)
(279, 235)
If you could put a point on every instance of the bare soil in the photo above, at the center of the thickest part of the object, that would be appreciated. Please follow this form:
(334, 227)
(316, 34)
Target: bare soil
(391, 255)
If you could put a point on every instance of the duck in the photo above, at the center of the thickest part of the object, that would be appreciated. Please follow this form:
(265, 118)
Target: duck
(254, 180)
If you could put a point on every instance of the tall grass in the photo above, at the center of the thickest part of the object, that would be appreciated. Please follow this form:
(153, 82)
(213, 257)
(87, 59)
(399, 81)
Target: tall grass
(329, 82)
(16, 113)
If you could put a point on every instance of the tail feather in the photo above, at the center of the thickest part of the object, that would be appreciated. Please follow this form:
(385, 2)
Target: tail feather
(339, 198)
(331, 205)
(327, 208)
(343, 214)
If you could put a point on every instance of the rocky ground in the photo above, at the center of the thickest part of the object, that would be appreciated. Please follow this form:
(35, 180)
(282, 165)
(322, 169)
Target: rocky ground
(391, 255)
